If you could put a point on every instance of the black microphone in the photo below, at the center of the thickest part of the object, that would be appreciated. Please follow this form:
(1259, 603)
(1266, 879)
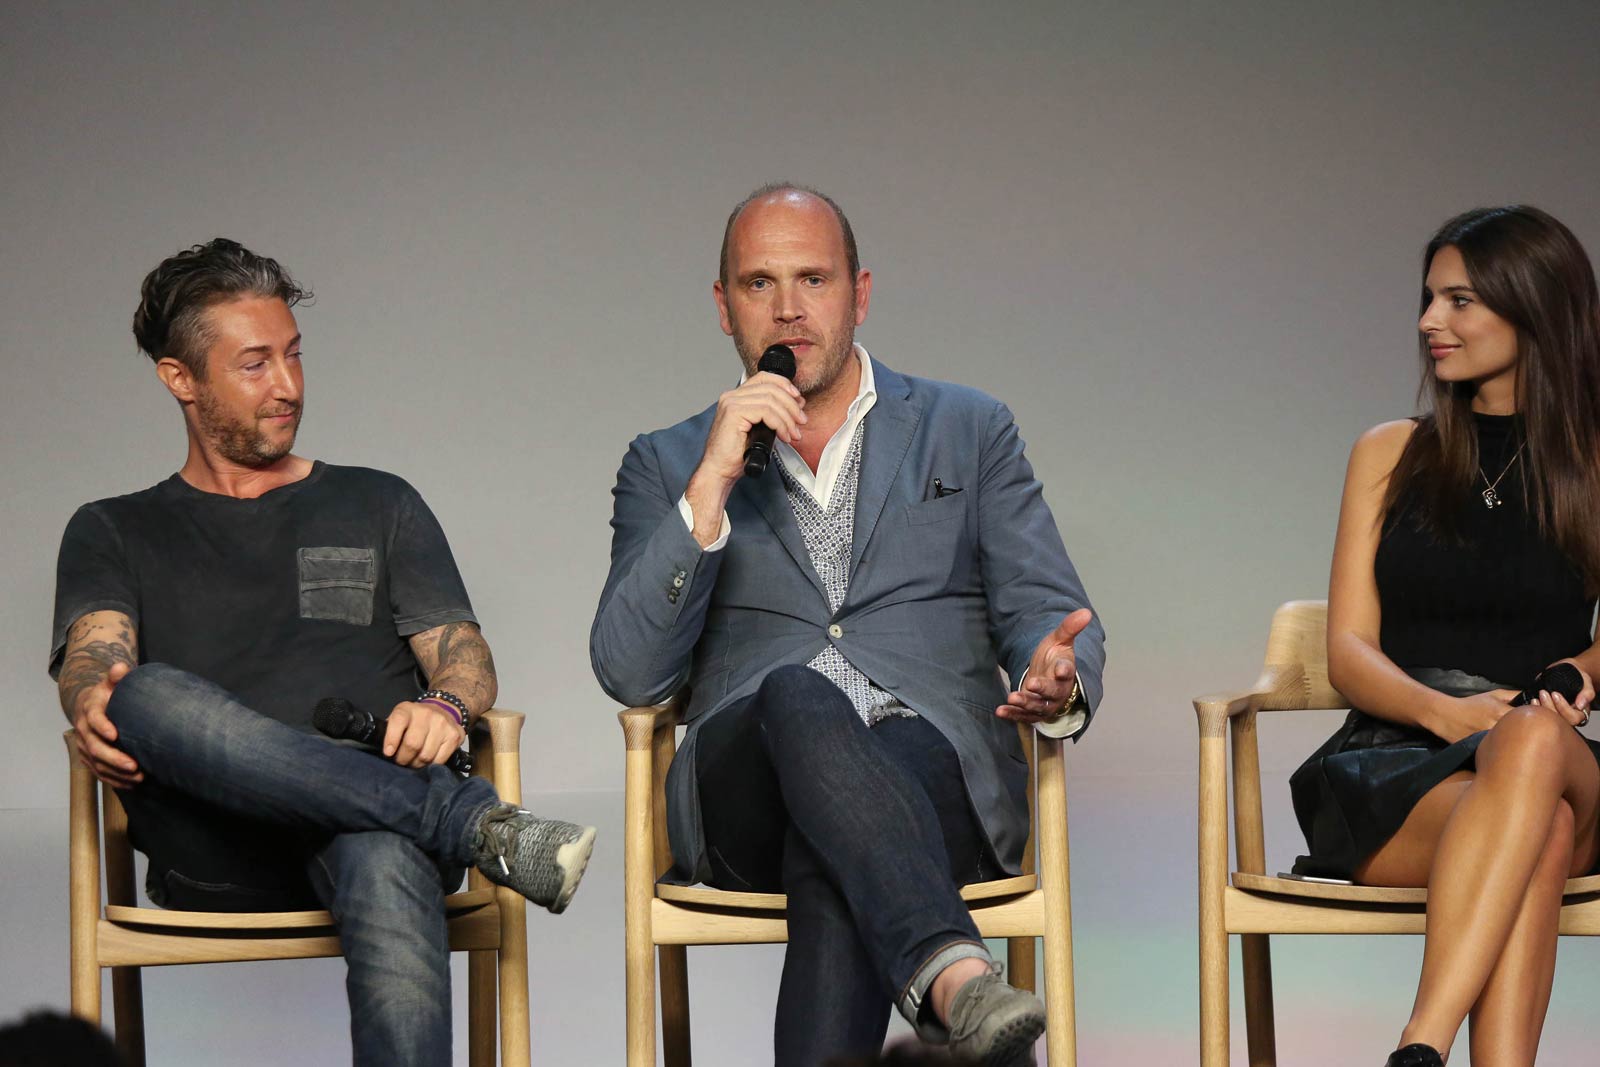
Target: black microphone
(778, 359)
(338, 718)
(1562, 678)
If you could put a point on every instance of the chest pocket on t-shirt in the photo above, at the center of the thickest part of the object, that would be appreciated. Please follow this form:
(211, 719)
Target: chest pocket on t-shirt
(337, 584)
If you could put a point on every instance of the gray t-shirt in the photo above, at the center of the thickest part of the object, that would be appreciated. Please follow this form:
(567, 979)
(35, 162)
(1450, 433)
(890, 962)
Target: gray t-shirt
(305, 592)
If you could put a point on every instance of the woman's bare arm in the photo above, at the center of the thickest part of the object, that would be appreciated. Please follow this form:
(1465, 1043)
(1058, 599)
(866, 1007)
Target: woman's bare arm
(1357, 666)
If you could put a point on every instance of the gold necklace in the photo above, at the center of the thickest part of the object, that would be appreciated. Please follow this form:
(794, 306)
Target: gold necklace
(1491, 499)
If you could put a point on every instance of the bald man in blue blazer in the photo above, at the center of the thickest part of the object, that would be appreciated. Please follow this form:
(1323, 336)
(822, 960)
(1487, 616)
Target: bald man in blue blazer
(841, 622)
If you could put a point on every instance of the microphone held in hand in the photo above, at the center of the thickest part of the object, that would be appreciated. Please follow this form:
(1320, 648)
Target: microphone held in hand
(779, 360)
(1562, 678)
(342, 720)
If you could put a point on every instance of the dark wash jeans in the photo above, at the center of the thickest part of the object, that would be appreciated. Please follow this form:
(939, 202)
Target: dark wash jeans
(266, 813)
(868, 831)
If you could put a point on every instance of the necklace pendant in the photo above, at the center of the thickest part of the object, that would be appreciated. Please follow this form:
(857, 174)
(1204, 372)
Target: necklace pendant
(1491, 499)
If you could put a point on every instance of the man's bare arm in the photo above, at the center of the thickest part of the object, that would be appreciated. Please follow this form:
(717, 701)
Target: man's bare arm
(456, 658)
(96, 641)
(102, 646)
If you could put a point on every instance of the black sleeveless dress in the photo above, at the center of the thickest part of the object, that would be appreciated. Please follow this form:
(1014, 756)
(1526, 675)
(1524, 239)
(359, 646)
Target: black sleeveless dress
(1487, 612)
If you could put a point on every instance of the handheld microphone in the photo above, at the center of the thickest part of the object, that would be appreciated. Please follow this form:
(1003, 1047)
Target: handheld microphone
(1562, 678)
(342, 720)
(777, 359)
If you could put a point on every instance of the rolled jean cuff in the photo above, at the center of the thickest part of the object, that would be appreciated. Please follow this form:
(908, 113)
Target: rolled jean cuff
(916, 991)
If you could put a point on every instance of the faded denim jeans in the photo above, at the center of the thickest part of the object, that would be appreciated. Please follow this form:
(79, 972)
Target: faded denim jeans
(241, 812)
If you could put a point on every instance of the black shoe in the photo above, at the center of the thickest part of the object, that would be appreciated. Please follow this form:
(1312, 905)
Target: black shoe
(1415, 1056)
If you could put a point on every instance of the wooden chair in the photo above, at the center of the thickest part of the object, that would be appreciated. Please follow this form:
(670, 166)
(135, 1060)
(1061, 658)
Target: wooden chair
(1253, 905)
(487, 921)
(663, 919)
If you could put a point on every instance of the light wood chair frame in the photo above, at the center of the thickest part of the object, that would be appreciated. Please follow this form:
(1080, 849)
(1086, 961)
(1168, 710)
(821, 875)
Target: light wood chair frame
(662, 920)
(1249, 903)
(487, 921)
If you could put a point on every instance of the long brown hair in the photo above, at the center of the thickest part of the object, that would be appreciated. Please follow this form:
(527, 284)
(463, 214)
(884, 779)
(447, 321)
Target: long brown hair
(1530, 270)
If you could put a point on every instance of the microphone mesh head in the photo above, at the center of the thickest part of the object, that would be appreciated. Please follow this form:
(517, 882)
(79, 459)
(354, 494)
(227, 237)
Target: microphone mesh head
(778, 359)
(333, 716)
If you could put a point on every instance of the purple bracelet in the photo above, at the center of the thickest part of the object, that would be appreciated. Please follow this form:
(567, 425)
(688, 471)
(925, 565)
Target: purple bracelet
(455, 712)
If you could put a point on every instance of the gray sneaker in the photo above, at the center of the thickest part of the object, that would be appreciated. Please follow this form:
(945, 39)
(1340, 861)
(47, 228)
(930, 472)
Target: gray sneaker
(543, 859)
(994, 1024)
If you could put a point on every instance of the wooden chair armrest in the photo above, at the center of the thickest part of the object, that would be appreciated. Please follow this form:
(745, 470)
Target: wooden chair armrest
(1271, 693)
(639, 725)
(496, 743)
(1226, 705)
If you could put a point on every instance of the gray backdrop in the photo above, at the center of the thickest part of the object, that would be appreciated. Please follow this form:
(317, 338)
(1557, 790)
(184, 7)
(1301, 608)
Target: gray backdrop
(1181, 240)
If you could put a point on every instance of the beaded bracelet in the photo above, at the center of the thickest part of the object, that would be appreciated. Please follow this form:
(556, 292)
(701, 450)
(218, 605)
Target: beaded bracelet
(449, 701)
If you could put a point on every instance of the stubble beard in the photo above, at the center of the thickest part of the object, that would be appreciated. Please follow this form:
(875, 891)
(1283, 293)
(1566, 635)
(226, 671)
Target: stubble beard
(835, 354)
(239, 441)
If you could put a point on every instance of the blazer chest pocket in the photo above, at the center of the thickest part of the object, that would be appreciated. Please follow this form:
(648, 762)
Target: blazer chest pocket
(939, 509)
(937, 547)
(337, 584)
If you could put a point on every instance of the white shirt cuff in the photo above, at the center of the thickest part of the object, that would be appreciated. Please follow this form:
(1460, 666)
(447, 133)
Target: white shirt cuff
(688, 520)
(1069, 725)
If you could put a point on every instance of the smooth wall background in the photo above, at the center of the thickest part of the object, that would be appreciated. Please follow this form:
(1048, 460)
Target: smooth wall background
(1180, 240)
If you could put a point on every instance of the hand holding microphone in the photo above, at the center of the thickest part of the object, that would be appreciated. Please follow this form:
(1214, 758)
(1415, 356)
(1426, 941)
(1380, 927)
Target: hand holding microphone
(340, 719)
(779, 360)
(764, 408)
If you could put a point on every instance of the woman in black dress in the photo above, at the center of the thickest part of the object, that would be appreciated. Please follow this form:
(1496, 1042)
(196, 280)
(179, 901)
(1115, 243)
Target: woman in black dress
(1467, 560)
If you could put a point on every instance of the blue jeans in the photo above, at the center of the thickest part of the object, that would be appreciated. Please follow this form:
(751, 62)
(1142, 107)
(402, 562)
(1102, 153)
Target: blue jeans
(241, 812)
(868, 831)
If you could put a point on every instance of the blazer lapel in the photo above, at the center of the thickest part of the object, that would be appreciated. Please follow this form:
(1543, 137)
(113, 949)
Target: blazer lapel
(767, 495)
(890, 426)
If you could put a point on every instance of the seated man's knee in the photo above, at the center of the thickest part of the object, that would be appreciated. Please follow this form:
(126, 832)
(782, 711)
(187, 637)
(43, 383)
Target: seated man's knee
(793, 691)
(150, 687)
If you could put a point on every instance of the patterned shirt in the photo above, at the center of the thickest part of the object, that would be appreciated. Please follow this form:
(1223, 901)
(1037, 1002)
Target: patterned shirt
(829, 533)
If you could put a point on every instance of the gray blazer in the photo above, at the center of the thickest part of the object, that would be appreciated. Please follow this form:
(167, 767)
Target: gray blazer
(942, 590)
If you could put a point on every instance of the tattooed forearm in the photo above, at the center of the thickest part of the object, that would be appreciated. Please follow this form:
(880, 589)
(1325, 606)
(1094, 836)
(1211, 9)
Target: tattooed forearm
(455, 657)
(95, 642)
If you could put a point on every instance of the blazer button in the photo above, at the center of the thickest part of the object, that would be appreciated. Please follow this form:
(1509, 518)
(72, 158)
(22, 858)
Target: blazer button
(836, 630)
(677, 583)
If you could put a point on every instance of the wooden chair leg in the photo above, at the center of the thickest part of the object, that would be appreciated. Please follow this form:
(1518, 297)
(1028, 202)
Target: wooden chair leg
(1214, 1022)
(1061, 1037)
(638, 890)
(1055, 874)
(1259, 1029)
(127, 1008)
(85, 977)
(674, 1005)
(515, 1033)
(1212, 882)
(640, 995)
(83, 888)
(482, 978)
(1021, 963)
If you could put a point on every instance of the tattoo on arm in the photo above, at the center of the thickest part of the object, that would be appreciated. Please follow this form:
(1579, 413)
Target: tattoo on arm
(456, 658)
(94, 642)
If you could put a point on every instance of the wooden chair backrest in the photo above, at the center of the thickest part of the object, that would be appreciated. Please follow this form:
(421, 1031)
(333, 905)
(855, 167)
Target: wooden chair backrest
(1295, 676)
